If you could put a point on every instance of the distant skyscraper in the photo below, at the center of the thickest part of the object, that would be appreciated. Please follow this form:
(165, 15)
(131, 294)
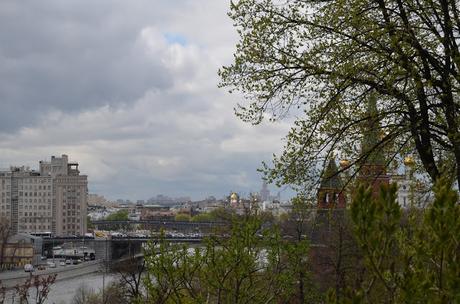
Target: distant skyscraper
(264, 193)
(51, 200)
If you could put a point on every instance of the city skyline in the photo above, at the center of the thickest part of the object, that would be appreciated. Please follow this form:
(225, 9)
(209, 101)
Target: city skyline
(153, 196)
(130, 91)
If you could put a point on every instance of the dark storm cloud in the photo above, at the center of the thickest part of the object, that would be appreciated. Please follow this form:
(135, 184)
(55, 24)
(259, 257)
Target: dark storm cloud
(70, 57)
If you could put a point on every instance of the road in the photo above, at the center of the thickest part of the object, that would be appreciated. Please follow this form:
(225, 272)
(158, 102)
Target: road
(11, 278)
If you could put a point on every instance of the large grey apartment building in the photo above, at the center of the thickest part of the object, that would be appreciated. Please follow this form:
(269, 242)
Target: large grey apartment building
(53, 199)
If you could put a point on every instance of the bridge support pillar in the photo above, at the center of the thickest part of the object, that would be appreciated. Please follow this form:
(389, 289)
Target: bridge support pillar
(103, 249)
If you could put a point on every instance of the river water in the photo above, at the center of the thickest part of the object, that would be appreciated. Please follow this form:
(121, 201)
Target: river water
(63, 291)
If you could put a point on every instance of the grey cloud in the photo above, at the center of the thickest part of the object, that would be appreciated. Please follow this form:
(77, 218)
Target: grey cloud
(97, 80)
(71, 57)
(214, 177)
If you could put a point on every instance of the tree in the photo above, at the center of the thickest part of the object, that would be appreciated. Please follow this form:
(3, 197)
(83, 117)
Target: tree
(2, 293)
(322, 61)
(204, 217)
(336, 258)
(297, 227)
(252, 265)
(131, 271)
(183, 217)
(5, 234)
(84, 295)
(120, 215)
(89, 224)
(113, 294)
(417, 262)
(248, 267)
(36, 288)
(322, 242)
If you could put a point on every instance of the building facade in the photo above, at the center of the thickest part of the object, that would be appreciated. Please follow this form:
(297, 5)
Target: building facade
(53, 199)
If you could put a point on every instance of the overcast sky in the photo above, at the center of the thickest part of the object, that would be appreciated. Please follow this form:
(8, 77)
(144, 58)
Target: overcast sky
(129, 90)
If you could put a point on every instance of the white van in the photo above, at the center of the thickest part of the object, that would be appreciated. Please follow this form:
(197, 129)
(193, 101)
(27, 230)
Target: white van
(29, 268)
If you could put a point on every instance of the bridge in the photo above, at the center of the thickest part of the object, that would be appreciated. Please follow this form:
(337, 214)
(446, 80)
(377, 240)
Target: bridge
(158, 224)
(112, 248)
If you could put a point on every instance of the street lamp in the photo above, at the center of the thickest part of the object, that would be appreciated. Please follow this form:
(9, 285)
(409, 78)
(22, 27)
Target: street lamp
(106, 261)
(105, 270)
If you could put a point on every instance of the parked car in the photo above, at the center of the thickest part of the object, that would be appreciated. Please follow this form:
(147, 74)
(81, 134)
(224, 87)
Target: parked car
(51, 265)
(29, 268)
(62, 263)
(68, 262)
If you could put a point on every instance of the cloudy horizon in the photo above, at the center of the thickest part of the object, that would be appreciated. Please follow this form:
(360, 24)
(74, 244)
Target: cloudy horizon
(128, 90)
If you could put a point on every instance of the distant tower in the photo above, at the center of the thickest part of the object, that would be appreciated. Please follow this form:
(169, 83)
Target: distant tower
(406, 191)
(330, 192)
(264, 193)
(373, 168)
(345, 177)
(409, 164)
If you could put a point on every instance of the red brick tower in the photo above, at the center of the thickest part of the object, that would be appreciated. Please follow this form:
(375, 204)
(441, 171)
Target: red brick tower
(330, 193)
(373, 168)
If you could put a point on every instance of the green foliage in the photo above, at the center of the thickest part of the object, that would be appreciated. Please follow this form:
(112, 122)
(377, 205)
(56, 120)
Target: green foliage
(329, 63)
(120, 215)
(324, 61)
(183, 217)
(416, 260)
(203, 217)
(222, 214)
(252, 265)
(111, 294)
(89, 224)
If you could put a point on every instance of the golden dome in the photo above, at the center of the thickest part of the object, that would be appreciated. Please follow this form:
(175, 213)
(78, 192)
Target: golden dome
(409, 161)
(234, 196)
(344, 163)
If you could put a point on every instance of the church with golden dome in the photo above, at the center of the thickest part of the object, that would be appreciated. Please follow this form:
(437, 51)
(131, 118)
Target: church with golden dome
(335, 188)
(234, 200)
